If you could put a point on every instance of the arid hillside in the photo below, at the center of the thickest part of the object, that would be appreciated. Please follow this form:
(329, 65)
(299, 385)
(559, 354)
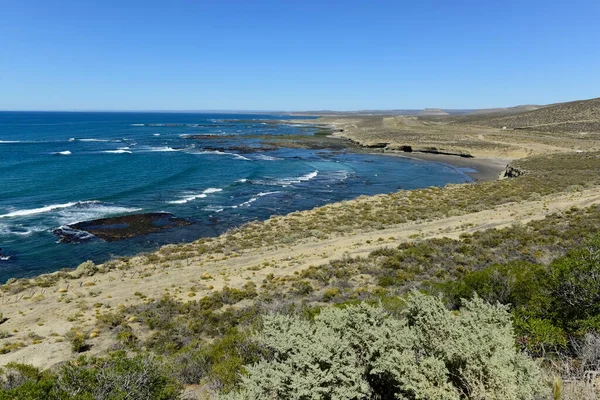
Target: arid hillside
(581, 117)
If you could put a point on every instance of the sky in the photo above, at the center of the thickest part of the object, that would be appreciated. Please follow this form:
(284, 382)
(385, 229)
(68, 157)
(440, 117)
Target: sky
(296, 55)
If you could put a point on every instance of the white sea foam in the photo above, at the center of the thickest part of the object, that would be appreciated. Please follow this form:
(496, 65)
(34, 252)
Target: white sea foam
(253, 199)
(287, 181)
(219, 208)
(63, 153)
(10, 141)
(166, 148)
(340, 175)
(74, 211)
(93, 140)
(156, 134)
(19, 230)
(243, 180)
(216, 209)
(247, 203)
(222, 153)
(261, 194)
(267, 158)
(90, 210)
(309, 176)
(193, 197)
(33, 211)
(137, 124)
(119, 151)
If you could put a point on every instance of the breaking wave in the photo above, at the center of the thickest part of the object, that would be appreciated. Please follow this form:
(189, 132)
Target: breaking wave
(286, 181)
(193, 197)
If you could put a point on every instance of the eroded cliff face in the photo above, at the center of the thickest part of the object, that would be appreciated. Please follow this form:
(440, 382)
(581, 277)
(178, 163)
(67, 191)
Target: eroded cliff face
(511, 172)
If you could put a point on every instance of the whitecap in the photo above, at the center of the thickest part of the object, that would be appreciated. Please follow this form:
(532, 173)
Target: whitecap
(192, 197)
(216, 209)
(90, 210)
(261, 194)
(19, 230)
(33, 211)
(340, 175)
(156, 134)
(222, 153)
(119, 151)
(247, 203)
(73, 211)
(137, 124)
(93, 140)
(287, 181)
(166, 148)
(267, 158)
(62, 153)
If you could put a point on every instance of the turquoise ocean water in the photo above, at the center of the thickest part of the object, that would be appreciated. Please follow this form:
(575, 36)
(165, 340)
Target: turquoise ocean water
(61, 168)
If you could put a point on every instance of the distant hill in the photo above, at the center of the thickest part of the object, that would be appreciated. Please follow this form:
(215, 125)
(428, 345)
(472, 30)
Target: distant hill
(434, 111)
(572, 117)
(506, 110)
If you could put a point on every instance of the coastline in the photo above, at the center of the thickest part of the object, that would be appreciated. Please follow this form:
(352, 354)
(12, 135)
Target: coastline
(478, 169)
(271, 255)
(322, 139)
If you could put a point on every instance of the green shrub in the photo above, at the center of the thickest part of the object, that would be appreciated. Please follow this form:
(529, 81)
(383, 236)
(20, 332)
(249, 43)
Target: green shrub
(362, 352)
(77, 338)
(522, 285)
(117, 377)
(575, 281)
(87, 268)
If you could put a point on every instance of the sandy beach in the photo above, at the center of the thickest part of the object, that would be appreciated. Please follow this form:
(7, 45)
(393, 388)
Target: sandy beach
(479, 169)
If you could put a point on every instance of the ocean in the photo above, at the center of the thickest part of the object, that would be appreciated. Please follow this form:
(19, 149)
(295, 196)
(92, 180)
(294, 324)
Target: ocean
(59, 168)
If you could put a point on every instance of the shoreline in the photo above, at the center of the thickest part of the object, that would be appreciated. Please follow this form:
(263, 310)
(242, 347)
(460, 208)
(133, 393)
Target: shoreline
(483, 169)
(478, 170)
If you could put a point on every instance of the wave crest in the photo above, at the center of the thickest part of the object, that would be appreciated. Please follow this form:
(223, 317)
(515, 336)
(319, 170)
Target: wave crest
(193, 197)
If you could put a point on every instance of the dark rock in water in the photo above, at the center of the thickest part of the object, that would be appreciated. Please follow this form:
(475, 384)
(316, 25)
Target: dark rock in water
(66, 234)
(118, 228)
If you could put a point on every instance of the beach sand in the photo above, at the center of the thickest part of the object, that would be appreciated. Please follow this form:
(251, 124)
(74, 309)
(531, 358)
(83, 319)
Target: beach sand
(484, 169)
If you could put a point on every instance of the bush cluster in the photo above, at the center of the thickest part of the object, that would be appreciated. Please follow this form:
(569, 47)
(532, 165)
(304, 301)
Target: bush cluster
(362, 352)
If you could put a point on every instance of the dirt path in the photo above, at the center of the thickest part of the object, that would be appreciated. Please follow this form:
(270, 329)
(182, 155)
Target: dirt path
(41, 317)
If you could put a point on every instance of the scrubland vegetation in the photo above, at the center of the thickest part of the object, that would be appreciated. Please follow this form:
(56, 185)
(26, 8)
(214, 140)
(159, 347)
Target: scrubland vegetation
(512, 313)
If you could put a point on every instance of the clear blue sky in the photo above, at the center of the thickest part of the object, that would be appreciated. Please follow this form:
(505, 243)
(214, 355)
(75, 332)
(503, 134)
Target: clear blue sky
(295, 54)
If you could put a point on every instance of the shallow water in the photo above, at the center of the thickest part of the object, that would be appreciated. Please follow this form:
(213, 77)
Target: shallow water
(62, 168)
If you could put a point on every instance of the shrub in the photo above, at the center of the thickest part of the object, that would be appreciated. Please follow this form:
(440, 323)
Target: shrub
(575, 281)
(522, 285)
(363, 352)
(24, 382)
(117, 377)
(77, 338)
(87, 268)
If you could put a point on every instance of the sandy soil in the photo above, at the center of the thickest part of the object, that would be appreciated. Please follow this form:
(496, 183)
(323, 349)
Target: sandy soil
(40, 317)
(480, 142)
(479, 169)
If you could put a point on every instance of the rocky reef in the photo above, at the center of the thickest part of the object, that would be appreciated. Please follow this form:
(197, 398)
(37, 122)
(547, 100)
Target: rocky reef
(118, 228)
